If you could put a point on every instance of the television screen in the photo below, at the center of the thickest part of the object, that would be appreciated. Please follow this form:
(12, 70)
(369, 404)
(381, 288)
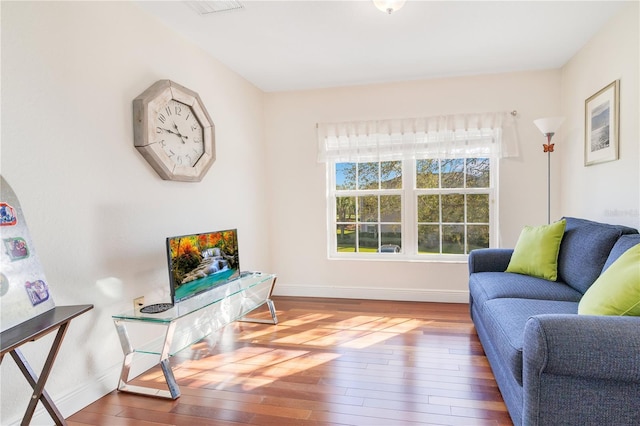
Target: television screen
(200, 262)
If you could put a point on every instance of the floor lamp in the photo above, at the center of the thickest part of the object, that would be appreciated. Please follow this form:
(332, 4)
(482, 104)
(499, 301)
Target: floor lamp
(548, 127)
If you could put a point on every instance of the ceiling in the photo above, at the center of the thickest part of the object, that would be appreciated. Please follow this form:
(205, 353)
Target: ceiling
(294, 45)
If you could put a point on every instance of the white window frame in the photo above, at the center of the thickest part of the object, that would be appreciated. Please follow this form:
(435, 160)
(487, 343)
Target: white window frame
(409, 205)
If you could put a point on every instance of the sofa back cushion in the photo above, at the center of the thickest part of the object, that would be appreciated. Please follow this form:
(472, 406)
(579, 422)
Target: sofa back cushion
(584, 250)
(623, 244)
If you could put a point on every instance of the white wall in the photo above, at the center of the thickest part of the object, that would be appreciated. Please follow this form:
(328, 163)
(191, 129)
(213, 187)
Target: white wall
(298, 200)
(97, 212)
(608, 192)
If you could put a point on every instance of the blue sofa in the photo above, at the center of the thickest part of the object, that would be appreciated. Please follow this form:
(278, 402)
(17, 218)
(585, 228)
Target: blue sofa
(553, 366)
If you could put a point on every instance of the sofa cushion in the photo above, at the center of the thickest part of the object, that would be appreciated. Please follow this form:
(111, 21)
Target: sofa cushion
(617, 290)
(584, 250)
(505, 319)
(485, 286)
(536, 252)
(623, 244)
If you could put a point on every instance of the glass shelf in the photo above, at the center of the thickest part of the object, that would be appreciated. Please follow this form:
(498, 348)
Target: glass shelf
(250, 285)
(188, 322)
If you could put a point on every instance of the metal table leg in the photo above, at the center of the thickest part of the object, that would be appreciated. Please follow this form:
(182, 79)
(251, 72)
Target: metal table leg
(172, 391)
(270, 305)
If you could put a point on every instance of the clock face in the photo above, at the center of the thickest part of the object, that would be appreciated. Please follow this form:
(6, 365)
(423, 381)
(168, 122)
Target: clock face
(173, 131)
(179, 133)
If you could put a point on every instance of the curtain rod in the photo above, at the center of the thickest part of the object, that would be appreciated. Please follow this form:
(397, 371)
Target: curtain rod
(513, 113)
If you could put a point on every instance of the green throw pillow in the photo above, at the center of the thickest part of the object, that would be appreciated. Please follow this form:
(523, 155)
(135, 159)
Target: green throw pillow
(617, 290)
(536, 252)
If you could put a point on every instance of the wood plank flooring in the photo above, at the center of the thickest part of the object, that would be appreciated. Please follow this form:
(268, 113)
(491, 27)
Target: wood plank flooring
(327, 362)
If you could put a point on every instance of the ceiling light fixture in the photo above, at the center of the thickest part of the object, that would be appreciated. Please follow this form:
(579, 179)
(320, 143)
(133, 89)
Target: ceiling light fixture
(203, 7)
(389, 6)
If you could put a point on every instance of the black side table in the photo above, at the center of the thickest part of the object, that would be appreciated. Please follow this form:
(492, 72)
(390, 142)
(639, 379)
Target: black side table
(57, 318)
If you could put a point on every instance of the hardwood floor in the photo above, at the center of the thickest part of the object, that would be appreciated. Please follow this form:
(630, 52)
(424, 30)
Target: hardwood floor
(327, 362)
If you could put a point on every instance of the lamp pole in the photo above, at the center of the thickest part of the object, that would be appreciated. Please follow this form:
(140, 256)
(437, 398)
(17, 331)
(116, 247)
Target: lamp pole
(548, 148)
(548, 127)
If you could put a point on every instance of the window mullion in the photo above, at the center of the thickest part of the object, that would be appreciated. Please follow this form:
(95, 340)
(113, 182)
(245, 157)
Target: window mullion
(379, 215)
(466, 222)
(464, 207)
(440, 224)
(409, 209)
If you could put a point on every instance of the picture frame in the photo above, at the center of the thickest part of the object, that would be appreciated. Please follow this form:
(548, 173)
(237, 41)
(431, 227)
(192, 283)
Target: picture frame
(602, 124)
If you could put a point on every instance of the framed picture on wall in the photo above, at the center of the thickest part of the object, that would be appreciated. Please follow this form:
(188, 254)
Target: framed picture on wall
(601, 125)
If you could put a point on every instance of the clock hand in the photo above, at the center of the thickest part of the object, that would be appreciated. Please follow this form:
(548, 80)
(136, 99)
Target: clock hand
(169, 131)
(175, 126)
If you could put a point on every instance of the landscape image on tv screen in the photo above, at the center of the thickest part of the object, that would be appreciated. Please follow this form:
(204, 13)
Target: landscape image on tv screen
(200, 262)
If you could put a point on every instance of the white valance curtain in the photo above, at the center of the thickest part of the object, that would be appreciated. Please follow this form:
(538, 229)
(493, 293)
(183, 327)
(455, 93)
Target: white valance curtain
(452, 136)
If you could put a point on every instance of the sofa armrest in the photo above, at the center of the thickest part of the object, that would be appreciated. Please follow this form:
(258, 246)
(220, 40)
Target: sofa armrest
(602, 347)
(580, 369)
(489, 260)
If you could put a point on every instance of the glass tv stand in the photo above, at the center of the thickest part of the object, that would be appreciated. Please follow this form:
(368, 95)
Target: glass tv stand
(186, 323)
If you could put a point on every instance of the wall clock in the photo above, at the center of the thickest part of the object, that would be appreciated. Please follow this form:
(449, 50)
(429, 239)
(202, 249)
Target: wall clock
(173, 131)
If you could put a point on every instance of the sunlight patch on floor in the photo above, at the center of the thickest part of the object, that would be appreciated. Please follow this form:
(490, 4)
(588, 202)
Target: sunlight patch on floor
(304, 319)
(295, 366)
(253, 366)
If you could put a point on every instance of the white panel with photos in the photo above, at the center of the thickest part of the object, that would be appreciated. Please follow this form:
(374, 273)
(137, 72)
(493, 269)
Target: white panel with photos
(24, 290)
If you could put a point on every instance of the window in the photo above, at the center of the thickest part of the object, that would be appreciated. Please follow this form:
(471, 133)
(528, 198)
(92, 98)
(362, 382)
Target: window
(422, 209)
(368, 206)
(413, 189)
(454, 205)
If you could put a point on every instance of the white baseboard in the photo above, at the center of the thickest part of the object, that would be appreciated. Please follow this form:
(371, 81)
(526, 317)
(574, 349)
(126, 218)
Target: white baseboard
(399, 294)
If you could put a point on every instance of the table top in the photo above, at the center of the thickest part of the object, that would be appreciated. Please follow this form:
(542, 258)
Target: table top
(201, 301)
(40, 325)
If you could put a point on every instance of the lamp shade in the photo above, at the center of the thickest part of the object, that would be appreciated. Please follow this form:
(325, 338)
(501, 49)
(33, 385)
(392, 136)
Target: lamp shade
(389, 5)
(548, 125)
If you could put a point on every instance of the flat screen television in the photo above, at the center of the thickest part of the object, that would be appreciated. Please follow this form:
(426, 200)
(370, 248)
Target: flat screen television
(200, 262)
